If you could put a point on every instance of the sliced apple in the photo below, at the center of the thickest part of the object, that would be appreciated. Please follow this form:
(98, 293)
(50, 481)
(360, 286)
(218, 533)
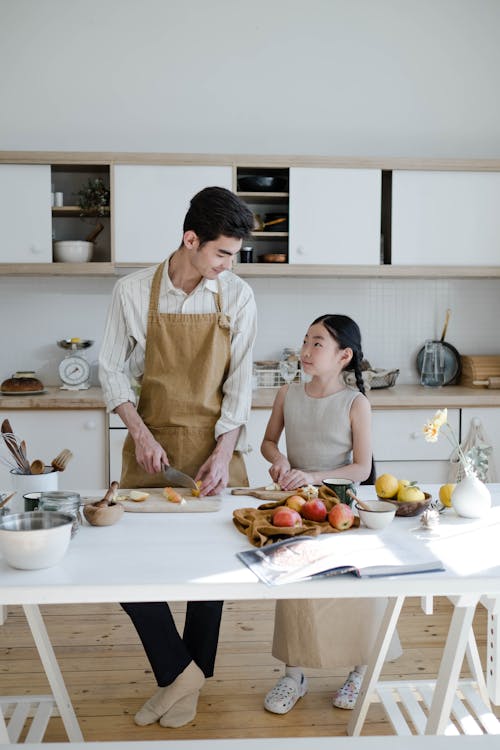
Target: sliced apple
(137, 496)
(172, 496)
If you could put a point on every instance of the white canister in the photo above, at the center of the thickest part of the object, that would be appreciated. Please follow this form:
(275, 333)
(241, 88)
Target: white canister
(23, 483)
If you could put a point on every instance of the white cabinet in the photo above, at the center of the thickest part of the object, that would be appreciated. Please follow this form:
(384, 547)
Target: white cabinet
(399, 447)
(25, 214)
(150, 203)
(490, 421)
(445, 218)
(47, 432)
(335, 216)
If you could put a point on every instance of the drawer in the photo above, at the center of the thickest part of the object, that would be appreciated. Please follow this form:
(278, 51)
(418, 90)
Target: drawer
(398, 435)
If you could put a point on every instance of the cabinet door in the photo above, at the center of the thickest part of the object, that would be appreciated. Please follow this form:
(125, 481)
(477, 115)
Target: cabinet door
(335, 216)
(445, 218)
(25, 215)
(490, 422)
(47, 432)
(150, 203)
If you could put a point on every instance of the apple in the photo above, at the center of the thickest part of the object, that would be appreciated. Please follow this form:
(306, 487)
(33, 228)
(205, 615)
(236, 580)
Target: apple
(284, 516)
(314, 510)
(341, 517)
(296, 502)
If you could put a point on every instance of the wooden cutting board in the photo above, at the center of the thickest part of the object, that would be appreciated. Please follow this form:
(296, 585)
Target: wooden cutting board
(262, 494)
(156, 502)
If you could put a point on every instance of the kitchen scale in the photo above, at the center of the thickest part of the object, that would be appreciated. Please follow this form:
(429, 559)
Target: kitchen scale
(74, 369)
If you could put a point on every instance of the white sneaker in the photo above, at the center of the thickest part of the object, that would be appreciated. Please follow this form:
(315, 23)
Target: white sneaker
(285, 694)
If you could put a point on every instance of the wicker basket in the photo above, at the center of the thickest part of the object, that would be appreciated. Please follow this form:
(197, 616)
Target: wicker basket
(373, 378)
(267, 375)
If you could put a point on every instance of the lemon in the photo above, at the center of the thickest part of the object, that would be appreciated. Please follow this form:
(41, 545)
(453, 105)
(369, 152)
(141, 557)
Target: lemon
(403, 483)
(445, 493)
(410, 494)
(386, 485)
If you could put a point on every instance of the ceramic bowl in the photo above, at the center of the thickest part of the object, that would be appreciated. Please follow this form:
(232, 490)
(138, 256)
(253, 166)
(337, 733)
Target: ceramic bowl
(379, 515)
(73, 251)
(31, 541)
(411, 509)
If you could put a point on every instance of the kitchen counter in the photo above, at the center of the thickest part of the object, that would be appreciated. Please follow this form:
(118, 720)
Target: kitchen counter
(409, 397)
(398, 397)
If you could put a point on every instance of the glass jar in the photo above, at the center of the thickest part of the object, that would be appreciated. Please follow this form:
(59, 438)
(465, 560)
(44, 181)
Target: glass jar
(64, 502)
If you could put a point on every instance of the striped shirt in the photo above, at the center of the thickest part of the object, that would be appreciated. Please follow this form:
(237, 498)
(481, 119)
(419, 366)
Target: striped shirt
(123, 348)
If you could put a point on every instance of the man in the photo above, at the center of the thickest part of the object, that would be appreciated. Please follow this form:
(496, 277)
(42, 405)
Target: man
(185, 330)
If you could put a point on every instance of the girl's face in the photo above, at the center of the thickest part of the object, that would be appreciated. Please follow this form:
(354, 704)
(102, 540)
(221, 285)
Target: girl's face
(321, 354)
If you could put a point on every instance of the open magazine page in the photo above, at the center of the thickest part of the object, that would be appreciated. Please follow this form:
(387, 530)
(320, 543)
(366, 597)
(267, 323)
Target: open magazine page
(304, 557)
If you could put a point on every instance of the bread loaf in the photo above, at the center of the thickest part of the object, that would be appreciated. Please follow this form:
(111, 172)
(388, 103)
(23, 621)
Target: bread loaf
(21, 385)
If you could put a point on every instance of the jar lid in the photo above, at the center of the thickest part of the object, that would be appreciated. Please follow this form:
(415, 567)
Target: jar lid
(60, 496)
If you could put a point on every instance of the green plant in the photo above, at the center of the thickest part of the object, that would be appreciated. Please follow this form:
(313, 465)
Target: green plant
(93, 197)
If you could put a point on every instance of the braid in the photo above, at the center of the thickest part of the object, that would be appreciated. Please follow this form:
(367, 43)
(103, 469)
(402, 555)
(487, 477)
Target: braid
(355, 363)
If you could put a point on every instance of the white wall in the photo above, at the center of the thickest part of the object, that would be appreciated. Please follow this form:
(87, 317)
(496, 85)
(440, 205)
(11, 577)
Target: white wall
(336, 77)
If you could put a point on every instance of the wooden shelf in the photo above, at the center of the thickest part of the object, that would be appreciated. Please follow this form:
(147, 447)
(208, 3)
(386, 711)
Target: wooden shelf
(57, 269)
(77, 211)
(254, 270)
(262, 197)
(269, 235)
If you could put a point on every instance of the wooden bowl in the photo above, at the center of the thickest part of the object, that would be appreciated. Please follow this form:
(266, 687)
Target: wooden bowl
(104, 515)
(410, 508)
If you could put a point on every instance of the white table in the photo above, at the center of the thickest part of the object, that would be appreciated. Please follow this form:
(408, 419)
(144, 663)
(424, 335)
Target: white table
(179, 557)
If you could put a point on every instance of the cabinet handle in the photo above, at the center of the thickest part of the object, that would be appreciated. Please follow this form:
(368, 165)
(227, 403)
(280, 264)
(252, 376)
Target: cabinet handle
(36, 250)
(90, 424)
(300, 250)
(414, 435)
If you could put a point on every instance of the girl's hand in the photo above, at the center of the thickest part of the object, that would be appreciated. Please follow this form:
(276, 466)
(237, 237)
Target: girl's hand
(295, 478)
(279, 469)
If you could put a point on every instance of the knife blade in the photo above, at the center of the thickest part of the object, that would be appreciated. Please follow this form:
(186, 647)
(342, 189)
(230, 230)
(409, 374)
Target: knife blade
(175, 478)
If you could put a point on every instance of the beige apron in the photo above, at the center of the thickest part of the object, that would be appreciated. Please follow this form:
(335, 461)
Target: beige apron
(186, 362)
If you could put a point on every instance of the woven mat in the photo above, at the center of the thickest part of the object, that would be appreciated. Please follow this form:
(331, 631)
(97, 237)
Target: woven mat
(256, 523)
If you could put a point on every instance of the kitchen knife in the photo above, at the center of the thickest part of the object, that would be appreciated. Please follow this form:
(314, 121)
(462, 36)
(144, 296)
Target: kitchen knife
(175, 478)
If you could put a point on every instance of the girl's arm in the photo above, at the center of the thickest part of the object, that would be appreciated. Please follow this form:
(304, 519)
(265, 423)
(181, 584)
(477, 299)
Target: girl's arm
(269, 447)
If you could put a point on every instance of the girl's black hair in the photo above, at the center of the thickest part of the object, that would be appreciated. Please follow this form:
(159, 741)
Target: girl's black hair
(347, 334)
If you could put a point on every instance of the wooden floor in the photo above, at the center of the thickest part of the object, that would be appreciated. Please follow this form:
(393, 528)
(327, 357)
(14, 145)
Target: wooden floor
(108, 677)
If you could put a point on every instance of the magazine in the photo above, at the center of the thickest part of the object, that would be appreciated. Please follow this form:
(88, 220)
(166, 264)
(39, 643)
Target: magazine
(304, 557)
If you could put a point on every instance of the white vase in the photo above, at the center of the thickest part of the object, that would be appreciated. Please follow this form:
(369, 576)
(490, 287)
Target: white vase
(471, 498)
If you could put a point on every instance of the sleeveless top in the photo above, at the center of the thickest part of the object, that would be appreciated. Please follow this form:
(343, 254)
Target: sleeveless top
(318, 430)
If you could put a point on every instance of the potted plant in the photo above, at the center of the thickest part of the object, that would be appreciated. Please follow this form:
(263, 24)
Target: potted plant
(93, 197)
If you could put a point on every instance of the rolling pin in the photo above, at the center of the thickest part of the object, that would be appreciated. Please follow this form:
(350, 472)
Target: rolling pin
(493, 382)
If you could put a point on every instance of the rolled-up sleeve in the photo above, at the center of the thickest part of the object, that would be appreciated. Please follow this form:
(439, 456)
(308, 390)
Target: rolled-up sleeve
(116, 349)
(237, 389)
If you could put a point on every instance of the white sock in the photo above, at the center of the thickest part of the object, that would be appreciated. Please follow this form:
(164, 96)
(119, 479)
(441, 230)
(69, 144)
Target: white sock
(296, 673)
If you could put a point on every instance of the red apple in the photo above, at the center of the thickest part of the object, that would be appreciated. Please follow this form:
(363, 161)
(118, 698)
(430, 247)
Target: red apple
(314, 510)
(341, 517)
(284, 516)
(296, 502)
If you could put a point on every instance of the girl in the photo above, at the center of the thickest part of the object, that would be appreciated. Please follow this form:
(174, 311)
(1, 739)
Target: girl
(328, 434)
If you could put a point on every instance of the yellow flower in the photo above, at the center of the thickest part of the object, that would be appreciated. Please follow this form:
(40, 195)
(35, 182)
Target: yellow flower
(431, 429)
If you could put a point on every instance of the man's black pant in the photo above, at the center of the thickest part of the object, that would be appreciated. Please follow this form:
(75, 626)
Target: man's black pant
(168, 653)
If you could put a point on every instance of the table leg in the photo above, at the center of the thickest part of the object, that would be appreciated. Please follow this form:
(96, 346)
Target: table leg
(451, 664)
(53, 672)
(374, 667)
(3, 613)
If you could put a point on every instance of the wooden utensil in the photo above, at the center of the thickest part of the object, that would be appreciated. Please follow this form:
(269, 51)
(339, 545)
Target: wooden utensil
(37, 466)
(60, 462)
(6, 499)
(358, 501)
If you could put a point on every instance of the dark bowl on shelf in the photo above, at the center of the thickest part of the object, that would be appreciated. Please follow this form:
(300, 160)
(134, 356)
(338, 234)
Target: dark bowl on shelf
(261, 183)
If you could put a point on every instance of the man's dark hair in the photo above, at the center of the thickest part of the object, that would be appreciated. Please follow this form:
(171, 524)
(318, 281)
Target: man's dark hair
(215, 211)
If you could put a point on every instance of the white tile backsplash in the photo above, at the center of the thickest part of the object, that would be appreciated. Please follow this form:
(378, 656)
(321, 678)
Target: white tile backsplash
(395, 317)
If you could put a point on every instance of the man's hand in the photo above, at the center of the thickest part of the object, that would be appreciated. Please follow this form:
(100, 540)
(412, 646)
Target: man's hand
(213, 474)
(148, 452)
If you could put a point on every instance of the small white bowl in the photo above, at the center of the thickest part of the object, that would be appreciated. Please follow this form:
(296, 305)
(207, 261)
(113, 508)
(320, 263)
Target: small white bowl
(379, 516)
(30, 541)
(73, 251)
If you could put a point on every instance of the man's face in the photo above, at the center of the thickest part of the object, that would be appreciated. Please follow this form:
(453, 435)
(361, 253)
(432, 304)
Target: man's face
(213, 257)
